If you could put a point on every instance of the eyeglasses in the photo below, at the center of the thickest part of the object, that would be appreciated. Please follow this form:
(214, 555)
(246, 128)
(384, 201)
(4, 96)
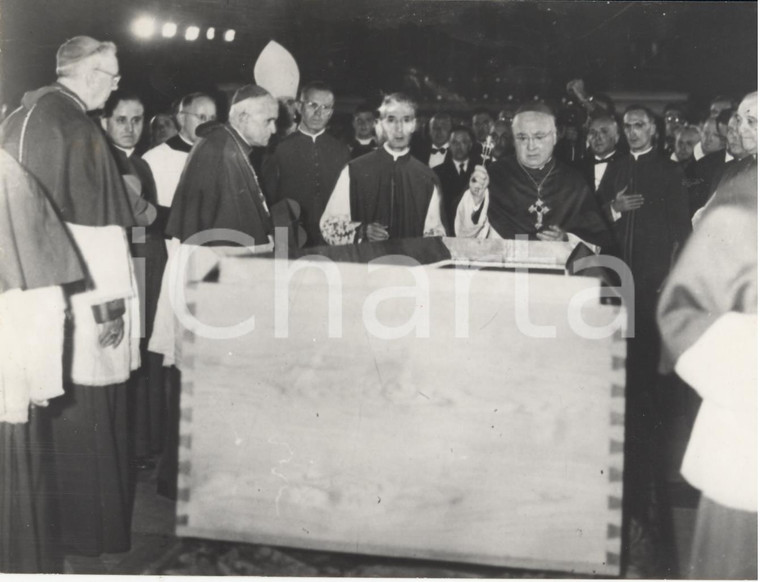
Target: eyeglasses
(115, 77)
(203, 118)
(317, 108)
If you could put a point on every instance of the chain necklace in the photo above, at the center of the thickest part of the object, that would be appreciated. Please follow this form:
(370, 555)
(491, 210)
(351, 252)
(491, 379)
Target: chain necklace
(539, 207)
(250, 167)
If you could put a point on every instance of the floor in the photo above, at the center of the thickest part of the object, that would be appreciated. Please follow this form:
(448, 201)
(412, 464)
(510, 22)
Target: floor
(156, 550)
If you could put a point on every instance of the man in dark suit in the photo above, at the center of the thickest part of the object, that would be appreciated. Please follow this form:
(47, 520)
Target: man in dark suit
(454, 174)
(709, 169)
(364, 140)
(603, 141)
(435, 151)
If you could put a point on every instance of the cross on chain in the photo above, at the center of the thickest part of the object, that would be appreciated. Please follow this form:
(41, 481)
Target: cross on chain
(540, 209)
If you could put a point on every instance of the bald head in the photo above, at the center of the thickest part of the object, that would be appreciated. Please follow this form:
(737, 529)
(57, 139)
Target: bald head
(603, 136)
(535, 135)
(89, 68)
(254, 118)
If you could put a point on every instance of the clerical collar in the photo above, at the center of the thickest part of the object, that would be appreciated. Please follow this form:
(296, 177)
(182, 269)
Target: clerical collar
(313, 136)
(179, 143)
(539, 172)
(394, 154)
(127, 151)
(365, 142)
(636, 155)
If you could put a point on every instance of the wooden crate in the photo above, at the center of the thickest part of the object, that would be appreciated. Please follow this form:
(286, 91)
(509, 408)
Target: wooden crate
(496, 448)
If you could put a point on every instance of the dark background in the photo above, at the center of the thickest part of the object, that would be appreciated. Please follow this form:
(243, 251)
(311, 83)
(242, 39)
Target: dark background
(485, 51)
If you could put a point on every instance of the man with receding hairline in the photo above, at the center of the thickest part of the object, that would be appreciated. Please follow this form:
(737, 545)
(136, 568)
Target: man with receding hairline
(123, 119)
(167, 160)
(646, 199)
(531, 193)
(52, 136)
(386, 194)
(603, 138)
(305, 164)
(219, 188)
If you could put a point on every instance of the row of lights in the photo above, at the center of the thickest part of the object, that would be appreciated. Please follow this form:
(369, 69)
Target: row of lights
(145, 27)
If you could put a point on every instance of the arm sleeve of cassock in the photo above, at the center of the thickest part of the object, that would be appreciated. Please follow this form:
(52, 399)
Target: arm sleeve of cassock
(464, 226)
(722, 364)
(716, 272)
(433, 224)
(145, 213)
(336, 224)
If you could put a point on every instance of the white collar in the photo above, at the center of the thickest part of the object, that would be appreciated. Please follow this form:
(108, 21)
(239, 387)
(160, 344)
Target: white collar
(605, 158)
(443, 147)
(699, 153)
(396, 155)
(129, 151)
(728, 157)
(182, 137)
(637, 154)
(313, 136)
(367, 141)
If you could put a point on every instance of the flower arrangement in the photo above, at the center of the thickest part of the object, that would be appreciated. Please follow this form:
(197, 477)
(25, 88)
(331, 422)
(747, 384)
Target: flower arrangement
(339, 230)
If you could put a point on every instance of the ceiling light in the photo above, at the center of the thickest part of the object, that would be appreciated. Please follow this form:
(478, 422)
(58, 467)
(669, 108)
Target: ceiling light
(229, 35)
(192, 33)
(144, 27)
(211, 33)
(168, 30)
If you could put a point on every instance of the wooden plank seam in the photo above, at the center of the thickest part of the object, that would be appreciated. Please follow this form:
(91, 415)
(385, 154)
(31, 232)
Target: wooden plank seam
(186, 416)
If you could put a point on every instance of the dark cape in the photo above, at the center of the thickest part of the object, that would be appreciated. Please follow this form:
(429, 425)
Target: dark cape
(37, 253)
(306, 171)
(395, 194)
(37, 250)
(572, 206)
(59, 142)
(218, 189)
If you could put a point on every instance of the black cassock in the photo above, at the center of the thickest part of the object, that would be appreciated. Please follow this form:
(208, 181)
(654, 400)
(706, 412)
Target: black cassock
(394, 193)
(565, 201)
(648, 240)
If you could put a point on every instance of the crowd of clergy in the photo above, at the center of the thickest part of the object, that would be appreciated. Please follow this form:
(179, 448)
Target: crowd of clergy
(90, 368)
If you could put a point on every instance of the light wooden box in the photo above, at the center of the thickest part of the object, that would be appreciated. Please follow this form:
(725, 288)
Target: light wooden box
(496, 448)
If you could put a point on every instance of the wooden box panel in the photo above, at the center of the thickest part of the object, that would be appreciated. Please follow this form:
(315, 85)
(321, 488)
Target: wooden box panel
(496, 448)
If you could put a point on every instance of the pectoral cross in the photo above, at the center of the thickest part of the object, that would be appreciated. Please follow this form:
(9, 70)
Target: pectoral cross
(540, 209)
